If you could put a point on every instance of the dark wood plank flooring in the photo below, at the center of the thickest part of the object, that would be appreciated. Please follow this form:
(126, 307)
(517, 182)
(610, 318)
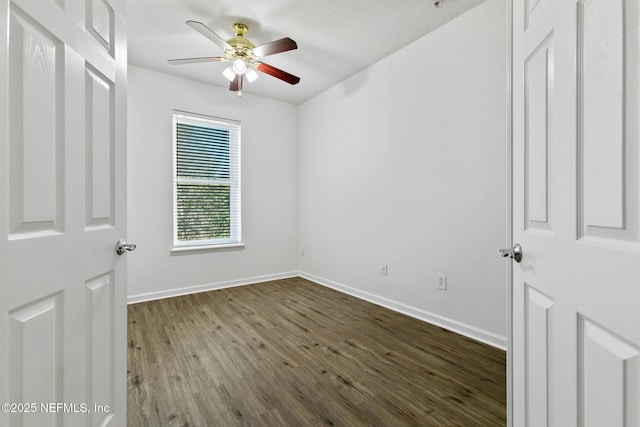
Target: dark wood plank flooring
(294, 353)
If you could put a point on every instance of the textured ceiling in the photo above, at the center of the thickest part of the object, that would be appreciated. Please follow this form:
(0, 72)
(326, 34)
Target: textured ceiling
(336, 38)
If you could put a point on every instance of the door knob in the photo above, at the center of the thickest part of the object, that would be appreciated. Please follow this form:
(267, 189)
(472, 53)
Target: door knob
(122, 246)
(515, 253)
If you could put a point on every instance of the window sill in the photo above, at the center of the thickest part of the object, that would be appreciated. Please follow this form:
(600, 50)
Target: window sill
(186, 250)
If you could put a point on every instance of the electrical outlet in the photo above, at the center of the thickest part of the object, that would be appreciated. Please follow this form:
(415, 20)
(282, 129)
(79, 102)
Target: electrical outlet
(442, 282)
(301, 252)
(385, 269)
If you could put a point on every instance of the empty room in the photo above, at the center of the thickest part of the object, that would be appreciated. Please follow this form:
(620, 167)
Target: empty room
(219, 213)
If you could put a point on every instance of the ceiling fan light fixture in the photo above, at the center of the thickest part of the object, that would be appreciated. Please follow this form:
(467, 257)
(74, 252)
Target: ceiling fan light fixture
(239, 66)
(251, 75)
(229, 74)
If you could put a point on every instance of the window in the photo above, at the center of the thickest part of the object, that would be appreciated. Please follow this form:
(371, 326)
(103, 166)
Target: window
(206, 184)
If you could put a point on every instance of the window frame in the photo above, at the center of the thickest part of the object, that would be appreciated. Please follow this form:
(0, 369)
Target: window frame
(235, 208)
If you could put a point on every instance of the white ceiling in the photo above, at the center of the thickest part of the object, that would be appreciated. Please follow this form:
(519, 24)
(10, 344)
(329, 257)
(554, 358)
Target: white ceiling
(336, 38)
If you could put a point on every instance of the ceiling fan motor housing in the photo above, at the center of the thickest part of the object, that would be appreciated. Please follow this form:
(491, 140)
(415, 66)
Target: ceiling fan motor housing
(241, 46)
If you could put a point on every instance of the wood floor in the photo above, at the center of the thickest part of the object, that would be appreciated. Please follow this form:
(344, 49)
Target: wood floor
(294, 353)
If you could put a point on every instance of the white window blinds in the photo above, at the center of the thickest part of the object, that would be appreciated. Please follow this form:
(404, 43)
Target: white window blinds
(206, 186)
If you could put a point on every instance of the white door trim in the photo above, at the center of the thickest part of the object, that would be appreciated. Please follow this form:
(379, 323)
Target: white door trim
(509, 205)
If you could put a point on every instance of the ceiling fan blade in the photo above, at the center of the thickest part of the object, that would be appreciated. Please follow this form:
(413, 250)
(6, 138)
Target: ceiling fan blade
(196, 60)
(208, 33)
(276, 46)
(277, 73)
(236, 84)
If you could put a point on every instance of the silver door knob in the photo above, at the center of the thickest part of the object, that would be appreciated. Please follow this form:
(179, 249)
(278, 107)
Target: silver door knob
(122, 246)
(515, 253)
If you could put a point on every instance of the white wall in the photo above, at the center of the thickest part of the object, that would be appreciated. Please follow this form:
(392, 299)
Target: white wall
(408, 169)
(269, 187)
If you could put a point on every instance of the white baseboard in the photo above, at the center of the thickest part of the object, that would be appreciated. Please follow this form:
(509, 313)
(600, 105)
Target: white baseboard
(472, 332)
(133, 299)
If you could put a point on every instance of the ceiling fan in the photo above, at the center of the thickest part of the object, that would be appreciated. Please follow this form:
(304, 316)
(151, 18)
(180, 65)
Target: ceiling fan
(245, 57)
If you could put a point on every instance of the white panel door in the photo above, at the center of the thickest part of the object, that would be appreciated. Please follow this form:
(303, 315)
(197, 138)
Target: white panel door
(62, 210)
(576, 213)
